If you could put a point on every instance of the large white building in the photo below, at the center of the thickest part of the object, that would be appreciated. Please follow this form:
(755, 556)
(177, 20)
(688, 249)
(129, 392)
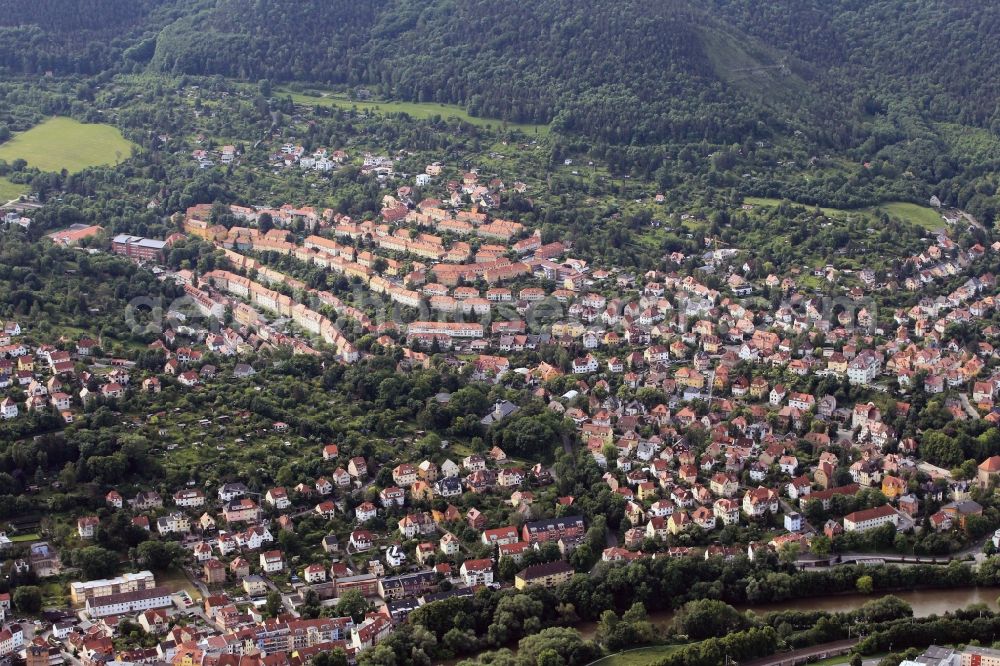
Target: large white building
(477, 572)
(869, 519)
(865, 367)
(125, 603)
(11, 640)
(455, 330)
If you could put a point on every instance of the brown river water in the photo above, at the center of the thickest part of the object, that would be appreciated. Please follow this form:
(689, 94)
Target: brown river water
(924, 602)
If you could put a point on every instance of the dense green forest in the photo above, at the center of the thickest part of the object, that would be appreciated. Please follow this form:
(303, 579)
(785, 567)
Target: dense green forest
(625, 71)
(604, 69)
(79, 36)
(636, 71)
(939, 55)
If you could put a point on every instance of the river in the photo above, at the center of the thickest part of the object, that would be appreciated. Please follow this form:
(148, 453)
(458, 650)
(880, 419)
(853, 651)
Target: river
(923, 602)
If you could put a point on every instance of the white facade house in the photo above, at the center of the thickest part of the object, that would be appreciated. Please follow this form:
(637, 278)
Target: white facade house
(172, 524)
(793, 522)
(8, 409)
(863, 370)
(272, 561)
(125, 603)
(477, 572)
(11, 640)
(869, 519)
(231, 491)
(189, 498)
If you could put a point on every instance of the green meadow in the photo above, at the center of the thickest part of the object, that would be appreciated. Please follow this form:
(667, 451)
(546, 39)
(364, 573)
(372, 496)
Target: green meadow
(638, 657)
(9, 190)
(921, 216)
(63, 143)
(418, 110)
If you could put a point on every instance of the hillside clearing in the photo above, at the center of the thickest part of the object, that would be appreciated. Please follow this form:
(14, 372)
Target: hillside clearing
(921, 216)
(769, 202)
(418, 110)
(63, 143)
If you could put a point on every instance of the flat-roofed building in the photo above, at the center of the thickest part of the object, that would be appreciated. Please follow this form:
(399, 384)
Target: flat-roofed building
(137, 247)
(80, 591)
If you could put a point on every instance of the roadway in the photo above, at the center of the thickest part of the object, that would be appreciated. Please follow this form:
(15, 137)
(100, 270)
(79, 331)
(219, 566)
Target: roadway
(969, 409)
(805, 655)
(974, 549)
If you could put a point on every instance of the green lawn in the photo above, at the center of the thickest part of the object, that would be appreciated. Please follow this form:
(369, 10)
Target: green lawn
(768, 202)
(638, 657)
(419, 110)
(921, 216)
(176, 580)
(928, 218)
(21, 538)
(54, 595)
(9, 190)
(64, 143)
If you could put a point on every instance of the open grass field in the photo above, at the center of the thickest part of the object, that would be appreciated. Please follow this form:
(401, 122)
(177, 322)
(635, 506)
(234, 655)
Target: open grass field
(419, 110)
(176, 580)
(9, 190)
(54, 595)
(22, 538)
(769, 202)
(921, 216)
(638, 657)
(64, 143)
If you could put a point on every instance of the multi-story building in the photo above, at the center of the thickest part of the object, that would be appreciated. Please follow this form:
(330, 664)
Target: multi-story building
(241, 510)
(137, 247)
(548, 574)
(868, 519)
(272, 561)
(477, 572)
(189, 498)
(11, 640)
(980, 656)
(541, 531)
(231, 491)
(407, 585)
(124, 603)
(500, 536)
(455, 330)
(367, 584)
(370, 633)
(174, 523)
(864, 368)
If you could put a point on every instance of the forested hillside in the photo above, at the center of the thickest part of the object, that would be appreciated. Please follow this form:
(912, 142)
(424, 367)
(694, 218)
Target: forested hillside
(76, 36)
(634, 70)
(628, 72)
(941, 54)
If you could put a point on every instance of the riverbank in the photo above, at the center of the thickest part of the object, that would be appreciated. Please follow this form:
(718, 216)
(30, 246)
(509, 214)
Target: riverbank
(924, 603)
